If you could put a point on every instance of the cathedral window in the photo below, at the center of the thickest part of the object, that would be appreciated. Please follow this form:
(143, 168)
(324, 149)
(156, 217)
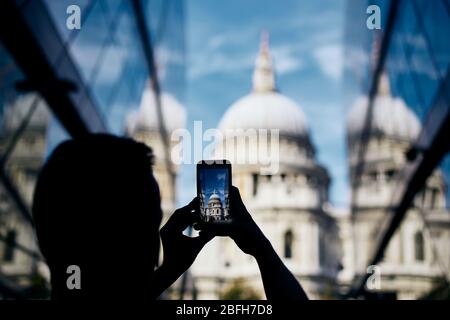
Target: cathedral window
(255, 184)
(289, 189)
(390, 175)
(311, 181)
(30, 140)
(434, 198)
(419, 248)
(30, 174)
(322, 250)
(423, 198)
(8, 254)
(373, 176)
(288, 239)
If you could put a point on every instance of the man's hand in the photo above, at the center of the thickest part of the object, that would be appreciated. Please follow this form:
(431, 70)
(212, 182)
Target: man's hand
(243, 229)
(180, 251)
(279, 283)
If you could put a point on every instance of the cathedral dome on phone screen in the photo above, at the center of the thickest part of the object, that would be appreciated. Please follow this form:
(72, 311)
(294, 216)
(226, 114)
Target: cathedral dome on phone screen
(265, 107)
(214, 197)
(214, 210)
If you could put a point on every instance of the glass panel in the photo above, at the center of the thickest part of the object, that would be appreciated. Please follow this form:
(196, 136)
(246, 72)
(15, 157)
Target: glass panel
(436, 19)
(58, 13)
(90, 42)
(403, 79)
(419, 249)
(108, 54)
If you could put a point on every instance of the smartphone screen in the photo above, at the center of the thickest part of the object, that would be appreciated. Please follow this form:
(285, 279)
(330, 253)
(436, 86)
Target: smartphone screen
(213, 189)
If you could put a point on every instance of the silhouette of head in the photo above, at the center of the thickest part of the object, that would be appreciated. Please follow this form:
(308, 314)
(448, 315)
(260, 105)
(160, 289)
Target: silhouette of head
(97, 206)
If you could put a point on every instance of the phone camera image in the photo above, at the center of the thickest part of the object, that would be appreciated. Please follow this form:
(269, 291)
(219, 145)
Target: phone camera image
(214, 194)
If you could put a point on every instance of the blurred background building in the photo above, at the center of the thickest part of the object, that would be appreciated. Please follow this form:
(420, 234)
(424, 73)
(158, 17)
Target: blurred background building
(124, 72)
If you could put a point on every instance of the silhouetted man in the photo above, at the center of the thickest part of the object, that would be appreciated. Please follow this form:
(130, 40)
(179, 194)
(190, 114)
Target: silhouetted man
(97, 207)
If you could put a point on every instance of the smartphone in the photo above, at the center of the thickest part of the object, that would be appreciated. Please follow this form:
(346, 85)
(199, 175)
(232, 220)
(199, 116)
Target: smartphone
(213, 190)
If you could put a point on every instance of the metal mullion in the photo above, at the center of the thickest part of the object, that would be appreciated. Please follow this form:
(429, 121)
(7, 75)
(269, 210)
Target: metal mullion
(366, 130)
(17, 198)
(17, 246)
(18, 132)
(108, 39)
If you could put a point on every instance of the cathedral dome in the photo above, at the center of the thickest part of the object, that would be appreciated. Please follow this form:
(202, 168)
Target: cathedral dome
(146, 117)
(391, 117)
(265, 108)
(214, 196)
(214, 200)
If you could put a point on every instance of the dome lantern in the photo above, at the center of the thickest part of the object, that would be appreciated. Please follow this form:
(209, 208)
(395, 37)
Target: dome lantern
(384, 86)
(265, 107)
(263, 76)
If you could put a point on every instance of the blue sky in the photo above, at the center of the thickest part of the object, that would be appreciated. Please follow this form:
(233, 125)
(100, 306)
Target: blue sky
(306, 44)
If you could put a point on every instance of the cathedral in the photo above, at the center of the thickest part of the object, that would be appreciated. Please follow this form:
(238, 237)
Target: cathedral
(215, 210)
(325, 250)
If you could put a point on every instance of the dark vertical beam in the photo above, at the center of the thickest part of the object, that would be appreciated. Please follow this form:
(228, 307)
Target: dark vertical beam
(147, 47)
